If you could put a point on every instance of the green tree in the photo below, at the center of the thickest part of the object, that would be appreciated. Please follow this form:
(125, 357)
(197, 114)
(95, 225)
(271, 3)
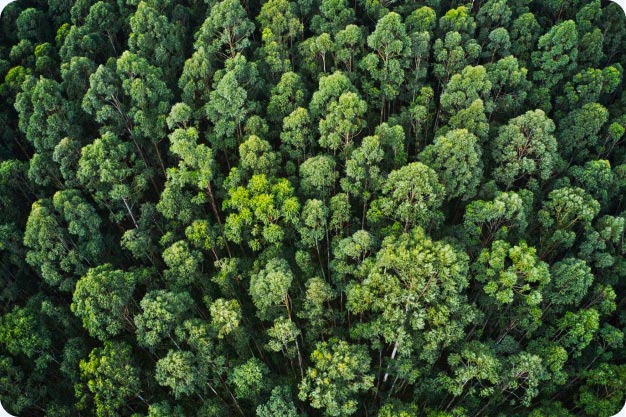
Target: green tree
(178, 372)
(110, 378)
(390, 56)
(525, 149)
(102, 299)
(261, 212)
(411, 196)
(338, 372)
(279, 404)
(161, 311)
(456, 158)
(270, 287)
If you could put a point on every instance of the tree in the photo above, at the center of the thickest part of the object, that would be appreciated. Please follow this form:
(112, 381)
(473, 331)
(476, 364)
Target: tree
(600, 394)
(287, 96)
(229, 104)
(318, 175)
(465, 99)
(386, 64)
(279, 404)
(156, 39)
(348, 43)
(248, 379)
(161, 311)
(334, 16)
(343, 122)
(412, 294)
(261, 211)
(280, 26)
(226, 31)
(110, 170)
(184, 264)
(63, 238)
(270, 287)
(110, 378)
(43, 119)
(411, 196)
(101, 300)
(564, 212)
(555, 58)
(456, 158)
(178, 372)
(579, 131)
(509, 85)
(513, 279)
(525, 149)
(339, 371)
(23, 333)
(297, 136)
(364, 176)
(225, 316)
(502, 218)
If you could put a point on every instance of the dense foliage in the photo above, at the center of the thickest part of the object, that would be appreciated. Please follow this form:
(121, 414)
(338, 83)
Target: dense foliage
(297, 208)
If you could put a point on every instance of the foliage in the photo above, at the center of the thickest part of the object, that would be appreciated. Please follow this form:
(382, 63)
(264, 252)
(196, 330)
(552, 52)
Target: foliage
(292, 208)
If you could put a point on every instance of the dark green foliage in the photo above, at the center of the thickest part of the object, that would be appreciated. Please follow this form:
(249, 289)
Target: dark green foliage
(293, 208)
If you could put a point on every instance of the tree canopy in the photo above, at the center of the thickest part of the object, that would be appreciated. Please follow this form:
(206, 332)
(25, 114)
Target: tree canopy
(292, 208)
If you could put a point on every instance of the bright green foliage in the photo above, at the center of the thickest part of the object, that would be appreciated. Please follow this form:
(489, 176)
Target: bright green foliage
(229, 103)
(598, 381)
(318, 294)
(154, 38)
(109, 168)
(256, 156)
(556, 55)
(290, 208)
(476, 371)
(287, 96)
(486, 221)
(101, 300)
(398, 409)
(296, 136)
(348, 43)
(339, 371)
(334, 16)
(260, 211)
(451, 55)
(226, 30)
(110, 378)
(564, 212)
(364, 176)
(183, 264)
(571, 278)
(580, 130)
(22, 333)
(342, 123)
(318, 175)
(283, 337)
(63, 238)
(513, 278)
(509, 85)
(413, 294)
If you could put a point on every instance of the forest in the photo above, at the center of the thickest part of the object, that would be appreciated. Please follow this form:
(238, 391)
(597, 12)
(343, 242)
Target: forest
(306, 208)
